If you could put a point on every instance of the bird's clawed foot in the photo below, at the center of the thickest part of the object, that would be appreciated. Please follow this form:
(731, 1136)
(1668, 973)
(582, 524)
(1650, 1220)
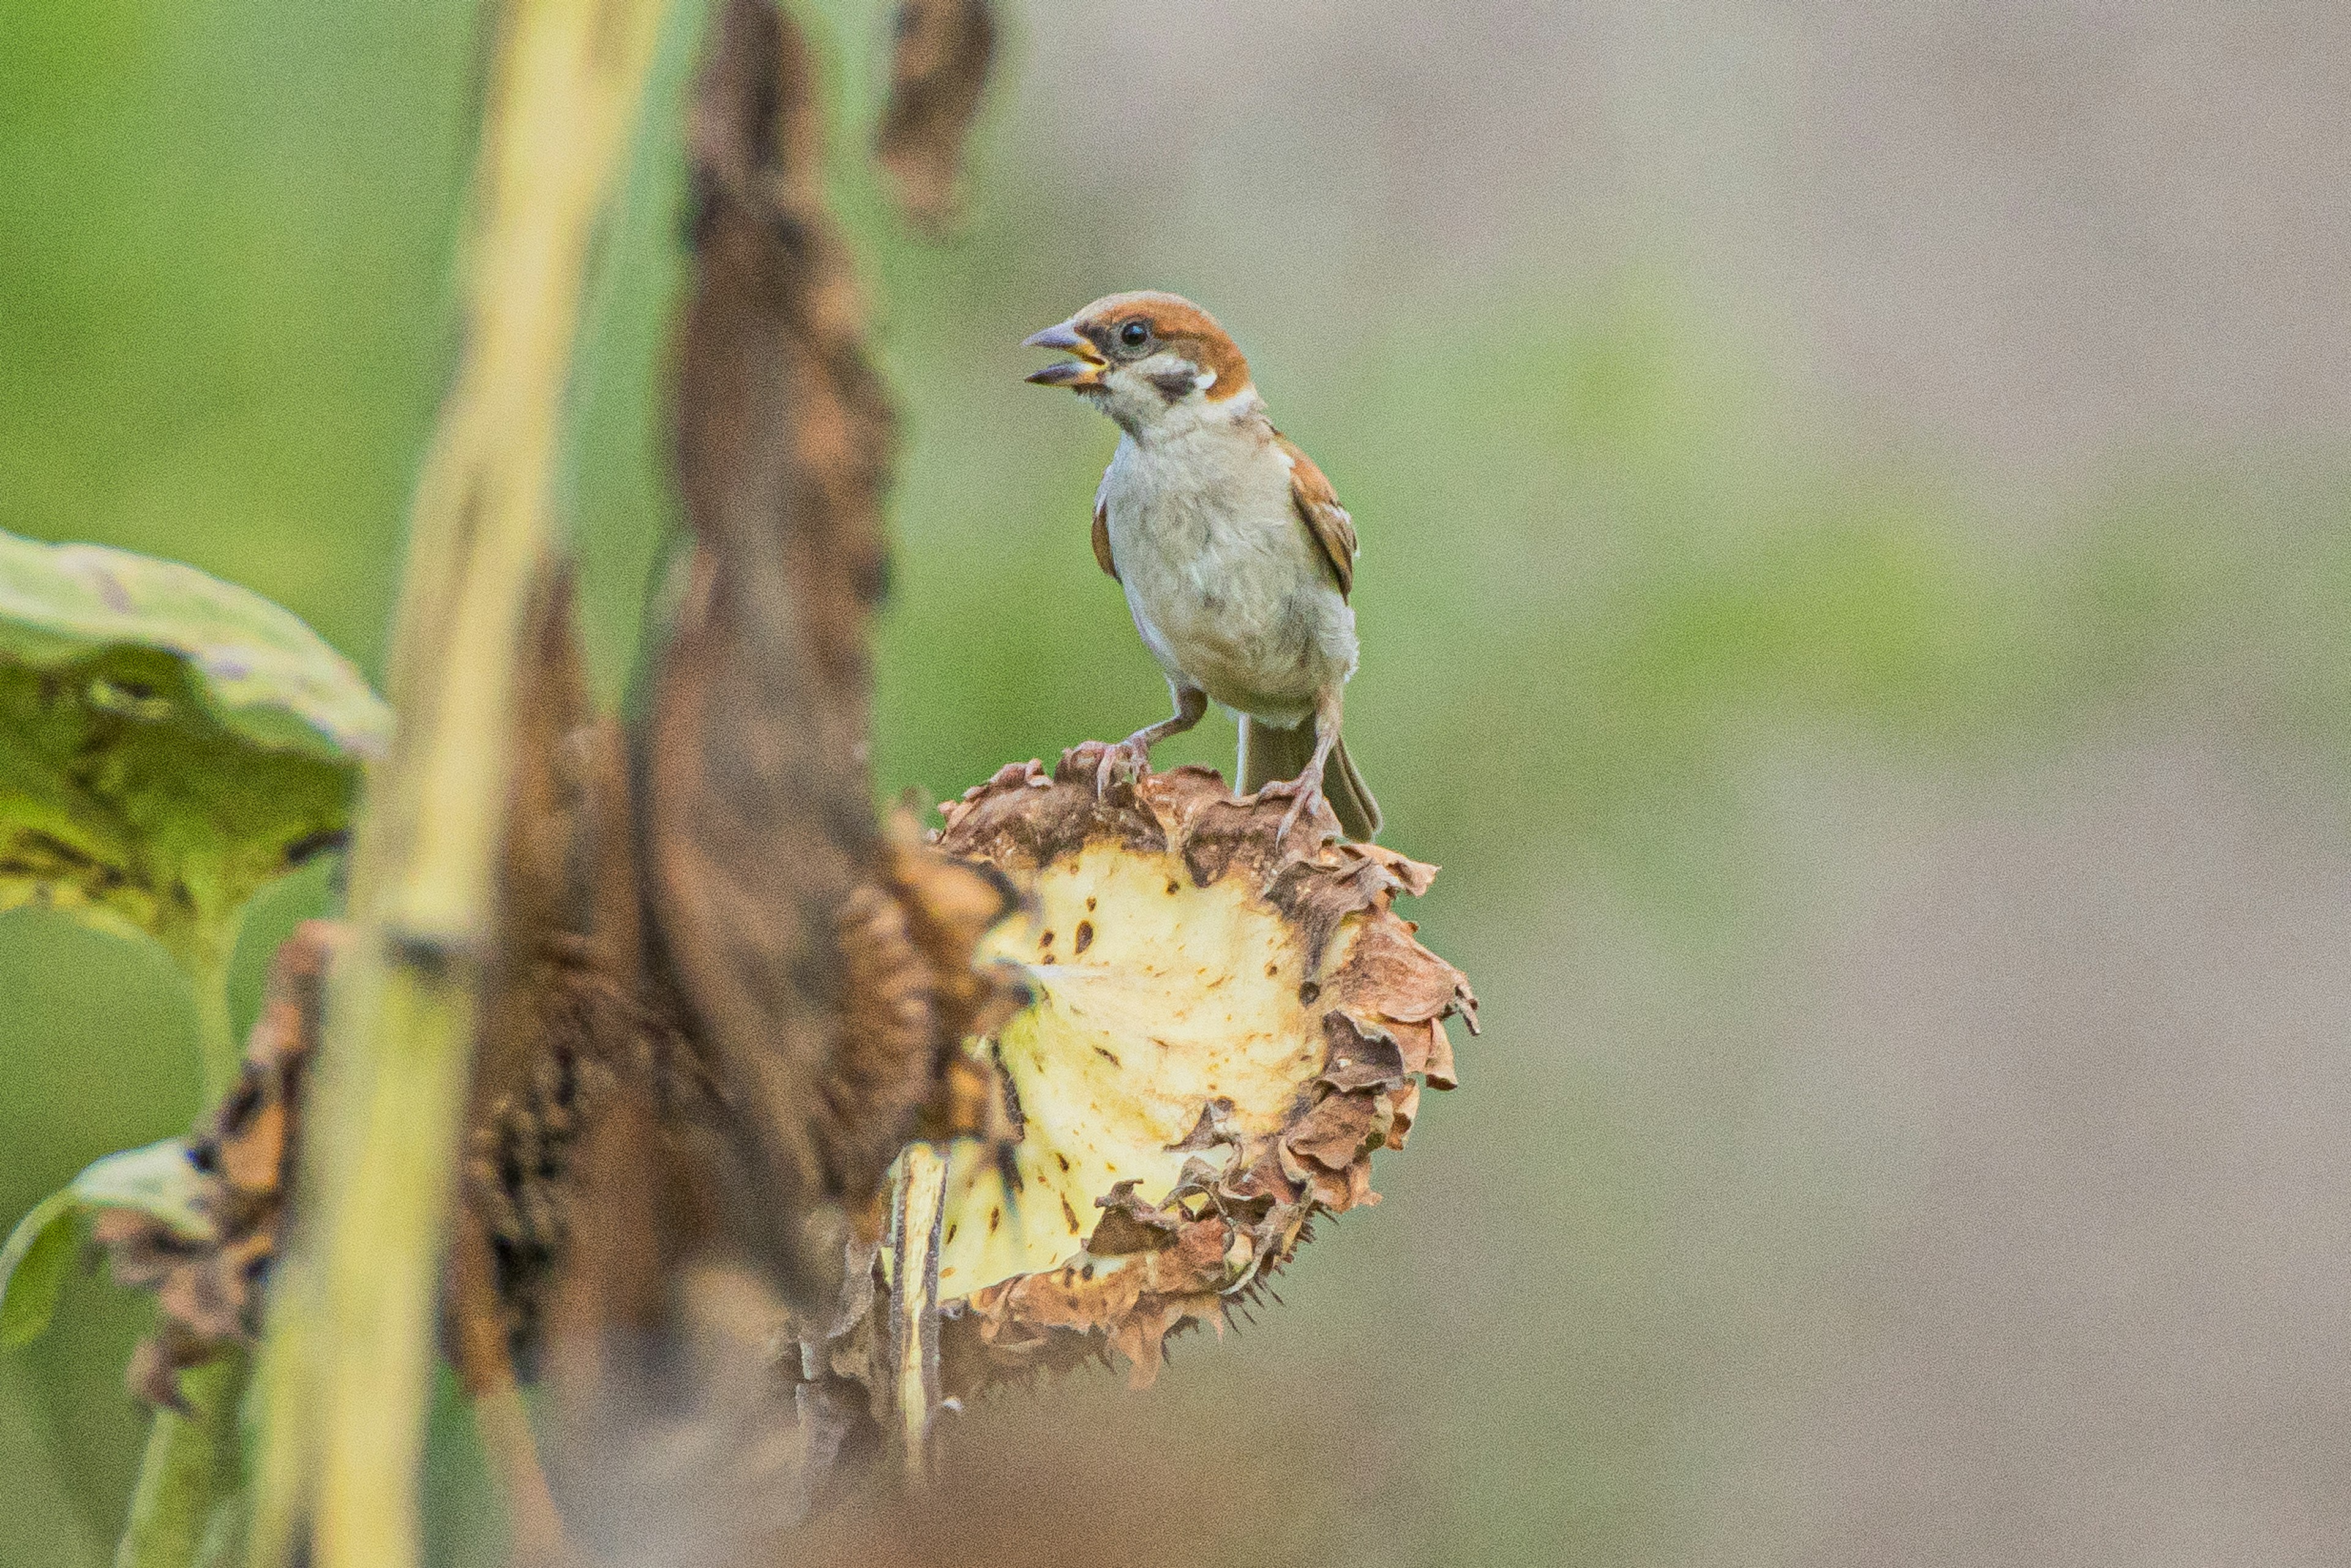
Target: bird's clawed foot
(1123, 763)
(1304, 794)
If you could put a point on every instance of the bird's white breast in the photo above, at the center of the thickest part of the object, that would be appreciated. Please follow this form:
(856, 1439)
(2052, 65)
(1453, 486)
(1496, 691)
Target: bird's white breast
(1226, 584)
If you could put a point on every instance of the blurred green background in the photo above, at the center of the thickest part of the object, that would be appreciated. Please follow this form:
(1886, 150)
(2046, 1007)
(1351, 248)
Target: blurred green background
(1854, 516)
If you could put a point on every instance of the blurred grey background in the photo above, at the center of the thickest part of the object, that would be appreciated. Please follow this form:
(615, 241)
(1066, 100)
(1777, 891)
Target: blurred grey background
(1854, 505)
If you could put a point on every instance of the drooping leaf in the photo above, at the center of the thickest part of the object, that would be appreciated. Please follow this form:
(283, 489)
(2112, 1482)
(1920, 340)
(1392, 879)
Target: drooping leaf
(159, 1181)
(168, 742)
(33, 1269)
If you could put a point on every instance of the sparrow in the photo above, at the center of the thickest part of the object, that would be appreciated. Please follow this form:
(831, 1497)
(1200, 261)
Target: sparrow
(1234, 552)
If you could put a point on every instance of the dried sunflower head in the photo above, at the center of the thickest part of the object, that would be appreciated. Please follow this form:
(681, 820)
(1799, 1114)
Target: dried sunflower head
(1222, 1032)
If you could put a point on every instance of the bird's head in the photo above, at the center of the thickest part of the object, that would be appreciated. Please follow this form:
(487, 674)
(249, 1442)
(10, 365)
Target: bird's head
(1149, 361)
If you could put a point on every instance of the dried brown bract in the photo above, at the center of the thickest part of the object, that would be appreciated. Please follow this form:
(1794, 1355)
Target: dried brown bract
(911, 993)
(567, 1014)
(1223, 1030)
(208, 1294)
(938, 71)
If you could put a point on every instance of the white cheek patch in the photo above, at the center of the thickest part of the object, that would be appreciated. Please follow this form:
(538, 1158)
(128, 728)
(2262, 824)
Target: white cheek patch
(1204, 381)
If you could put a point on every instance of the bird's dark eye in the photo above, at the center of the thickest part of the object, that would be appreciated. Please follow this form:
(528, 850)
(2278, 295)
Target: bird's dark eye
(1135, 333)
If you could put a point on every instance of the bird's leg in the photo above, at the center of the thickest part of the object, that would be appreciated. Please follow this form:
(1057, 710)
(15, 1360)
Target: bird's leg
(1131, 757)
(1305, 791)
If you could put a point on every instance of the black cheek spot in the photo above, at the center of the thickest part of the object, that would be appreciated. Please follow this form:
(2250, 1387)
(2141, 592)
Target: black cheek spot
(1171, 385)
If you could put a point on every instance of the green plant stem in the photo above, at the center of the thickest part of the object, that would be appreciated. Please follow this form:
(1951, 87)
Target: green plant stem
(378, 1363)
(189, 1472)
(193, 1466)
(203, 954)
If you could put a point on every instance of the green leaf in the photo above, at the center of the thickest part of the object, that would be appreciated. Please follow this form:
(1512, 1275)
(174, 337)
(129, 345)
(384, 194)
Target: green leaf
(159, 1181)
(33, 1269)
(168, 742)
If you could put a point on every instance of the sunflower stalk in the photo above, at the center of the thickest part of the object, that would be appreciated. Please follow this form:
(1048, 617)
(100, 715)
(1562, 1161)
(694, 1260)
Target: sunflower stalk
(347, 1367)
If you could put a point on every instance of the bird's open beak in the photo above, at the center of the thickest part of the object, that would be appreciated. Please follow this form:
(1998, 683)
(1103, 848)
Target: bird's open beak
(1079, 374)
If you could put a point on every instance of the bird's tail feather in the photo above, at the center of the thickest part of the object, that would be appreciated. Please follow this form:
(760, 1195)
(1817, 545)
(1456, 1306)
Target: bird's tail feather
(1350, 796)
(1270, 754)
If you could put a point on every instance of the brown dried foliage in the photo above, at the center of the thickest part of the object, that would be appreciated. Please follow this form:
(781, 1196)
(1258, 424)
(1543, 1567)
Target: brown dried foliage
(566, 1015)
(703, 924)
(758, 815)
(208, 1294)
(818, 966)
(938, 71)
(720, 994)
(822, 970)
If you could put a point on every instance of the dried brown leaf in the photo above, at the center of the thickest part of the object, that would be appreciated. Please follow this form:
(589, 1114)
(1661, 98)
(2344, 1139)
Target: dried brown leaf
(1335, 1132)
(566, 1015)
(1130, 1225)
(760, 828)
(208, 1292)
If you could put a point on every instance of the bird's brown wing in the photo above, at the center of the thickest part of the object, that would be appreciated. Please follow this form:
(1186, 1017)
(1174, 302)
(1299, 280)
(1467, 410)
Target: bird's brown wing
(1101, 530)
(1325, 519)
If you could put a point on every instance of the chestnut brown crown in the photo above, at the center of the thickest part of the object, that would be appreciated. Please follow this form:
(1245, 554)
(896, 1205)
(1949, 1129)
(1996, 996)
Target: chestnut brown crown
(1125, 328)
